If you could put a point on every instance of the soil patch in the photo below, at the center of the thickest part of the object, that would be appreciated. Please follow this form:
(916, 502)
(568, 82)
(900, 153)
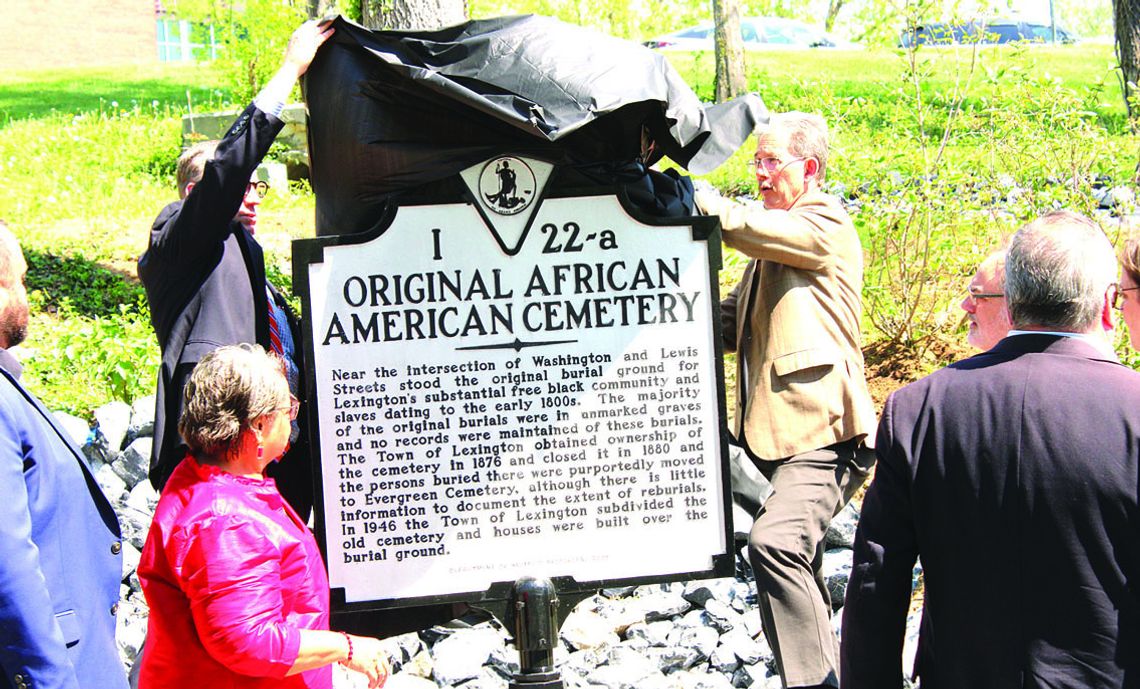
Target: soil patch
(890, 365)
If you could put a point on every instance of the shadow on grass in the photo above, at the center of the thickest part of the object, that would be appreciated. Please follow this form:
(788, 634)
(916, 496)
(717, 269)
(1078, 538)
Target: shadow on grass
(91, 289)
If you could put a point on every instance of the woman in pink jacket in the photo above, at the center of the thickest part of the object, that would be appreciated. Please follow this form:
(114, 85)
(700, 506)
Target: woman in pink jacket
(236, 586)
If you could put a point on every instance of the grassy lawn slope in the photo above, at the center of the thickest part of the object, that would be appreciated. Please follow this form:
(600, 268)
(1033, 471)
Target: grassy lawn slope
(942, 153)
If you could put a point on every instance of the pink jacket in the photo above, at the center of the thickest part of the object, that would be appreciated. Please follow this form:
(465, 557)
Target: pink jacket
(231, 575)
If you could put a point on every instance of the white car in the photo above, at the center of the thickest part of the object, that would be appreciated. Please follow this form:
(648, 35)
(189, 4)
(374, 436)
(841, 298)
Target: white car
(759, 33)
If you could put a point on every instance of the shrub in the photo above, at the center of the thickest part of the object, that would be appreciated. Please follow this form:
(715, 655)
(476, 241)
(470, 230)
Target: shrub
(74, 280)
(82, 362)
(254, 40)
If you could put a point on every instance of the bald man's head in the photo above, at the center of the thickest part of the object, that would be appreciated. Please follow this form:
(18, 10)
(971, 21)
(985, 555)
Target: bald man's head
(13, 295)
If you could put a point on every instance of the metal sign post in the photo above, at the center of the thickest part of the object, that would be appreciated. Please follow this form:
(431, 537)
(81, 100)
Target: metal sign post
(533, 615)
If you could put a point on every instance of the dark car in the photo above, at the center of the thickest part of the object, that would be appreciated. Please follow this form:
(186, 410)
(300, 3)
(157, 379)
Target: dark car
(982, 32)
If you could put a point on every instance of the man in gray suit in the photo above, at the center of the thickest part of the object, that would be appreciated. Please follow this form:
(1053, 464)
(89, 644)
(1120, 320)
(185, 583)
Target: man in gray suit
(1015, 476)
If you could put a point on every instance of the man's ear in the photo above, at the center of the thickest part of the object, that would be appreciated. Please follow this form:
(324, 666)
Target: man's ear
(811, 167)
(189, 188)
(1107, 322)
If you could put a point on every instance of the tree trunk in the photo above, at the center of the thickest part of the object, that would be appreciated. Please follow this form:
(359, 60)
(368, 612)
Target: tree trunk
(729, 50)
(833, 7)
(412, 14)
(1127, 20)
(319, 8)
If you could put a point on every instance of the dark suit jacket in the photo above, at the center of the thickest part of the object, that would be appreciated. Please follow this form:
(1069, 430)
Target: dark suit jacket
(60, 566)
(1013, 475)
(205, 282)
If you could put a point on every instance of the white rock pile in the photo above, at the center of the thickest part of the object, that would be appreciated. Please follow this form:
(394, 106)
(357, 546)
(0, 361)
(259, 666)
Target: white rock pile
(117, 449)
(680, 635)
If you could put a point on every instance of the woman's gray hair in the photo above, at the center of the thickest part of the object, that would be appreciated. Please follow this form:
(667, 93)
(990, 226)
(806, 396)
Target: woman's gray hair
(1057, 271)
(807, 136)
(228, 389)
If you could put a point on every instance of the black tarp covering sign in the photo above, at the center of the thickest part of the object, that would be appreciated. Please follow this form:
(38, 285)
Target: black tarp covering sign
(395, 115)
(511, 321)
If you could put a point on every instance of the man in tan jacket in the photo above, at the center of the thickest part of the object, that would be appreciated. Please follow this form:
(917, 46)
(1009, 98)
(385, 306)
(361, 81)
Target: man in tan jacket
(803, 413)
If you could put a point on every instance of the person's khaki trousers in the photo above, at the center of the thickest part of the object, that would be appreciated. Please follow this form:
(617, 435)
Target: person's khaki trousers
(785, 548)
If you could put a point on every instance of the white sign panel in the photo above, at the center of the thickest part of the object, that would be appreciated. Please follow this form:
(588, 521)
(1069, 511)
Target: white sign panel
(486, 416)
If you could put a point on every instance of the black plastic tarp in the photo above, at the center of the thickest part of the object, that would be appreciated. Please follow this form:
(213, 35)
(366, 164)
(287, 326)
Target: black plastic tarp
(397, 113)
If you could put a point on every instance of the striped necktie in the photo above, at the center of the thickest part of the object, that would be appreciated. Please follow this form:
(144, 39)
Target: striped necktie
(274, 331)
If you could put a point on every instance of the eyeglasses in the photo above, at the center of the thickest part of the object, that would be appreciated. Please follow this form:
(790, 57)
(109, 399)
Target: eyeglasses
(260, 188)
(770, 165)
(294, 407)
(1118, 296)
(975, 296)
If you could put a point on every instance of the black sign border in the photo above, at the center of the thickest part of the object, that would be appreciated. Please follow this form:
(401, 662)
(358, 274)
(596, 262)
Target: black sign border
(309, 251)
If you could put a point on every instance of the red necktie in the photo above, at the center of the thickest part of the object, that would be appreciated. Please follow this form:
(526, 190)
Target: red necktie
(274, 332)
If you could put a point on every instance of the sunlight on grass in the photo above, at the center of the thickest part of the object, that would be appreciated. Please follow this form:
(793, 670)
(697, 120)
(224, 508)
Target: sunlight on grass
(36, 93)
(87, 158)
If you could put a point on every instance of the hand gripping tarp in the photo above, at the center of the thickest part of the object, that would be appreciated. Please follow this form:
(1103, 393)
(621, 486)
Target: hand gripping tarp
(399, 113)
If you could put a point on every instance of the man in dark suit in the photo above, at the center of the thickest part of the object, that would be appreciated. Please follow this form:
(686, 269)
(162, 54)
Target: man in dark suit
(1014, 476)
(60, 561)
(204, 272)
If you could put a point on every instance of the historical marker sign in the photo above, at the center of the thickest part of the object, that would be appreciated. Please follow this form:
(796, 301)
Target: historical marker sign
(516, 386)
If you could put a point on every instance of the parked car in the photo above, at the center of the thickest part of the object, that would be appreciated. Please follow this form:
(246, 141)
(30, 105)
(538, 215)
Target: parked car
(983, 32)
(759, 33)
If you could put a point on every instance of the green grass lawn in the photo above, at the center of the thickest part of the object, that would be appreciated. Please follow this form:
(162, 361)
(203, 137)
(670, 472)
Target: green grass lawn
(87, 157)
(868, 98)
(34, 94)
(88, 154)
(783, 77)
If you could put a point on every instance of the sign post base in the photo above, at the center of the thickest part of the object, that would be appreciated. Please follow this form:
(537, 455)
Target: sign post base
(538, 680)
(532, 614)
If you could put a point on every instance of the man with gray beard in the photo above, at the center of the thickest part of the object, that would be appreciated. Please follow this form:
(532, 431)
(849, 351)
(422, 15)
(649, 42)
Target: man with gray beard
(60, 561)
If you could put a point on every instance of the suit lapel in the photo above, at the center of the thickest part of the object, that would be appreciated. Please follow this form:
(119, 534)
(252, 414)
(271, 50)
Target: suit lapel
(97, 493)
(49, 418)
(751, 280)
(255, 265)
(744, 336)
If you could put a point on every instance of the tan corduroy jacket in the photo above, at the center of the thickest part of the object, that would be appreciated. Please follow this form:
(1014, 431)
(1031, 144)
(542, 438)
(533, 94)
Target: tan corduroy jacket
(794, 322)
